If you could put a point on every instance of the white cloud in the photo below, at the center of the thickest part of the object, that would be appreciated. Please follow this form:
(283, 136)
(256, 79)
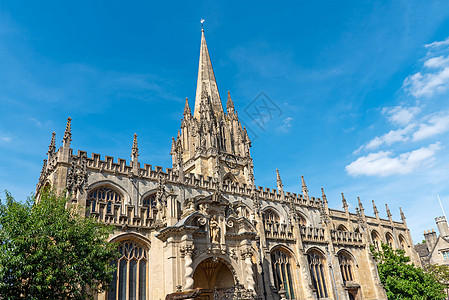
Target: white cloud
(438, 44)
(437, 62)
(401, 115)
(435, 125)
(384, 164)
(400, 135)
(426, 85)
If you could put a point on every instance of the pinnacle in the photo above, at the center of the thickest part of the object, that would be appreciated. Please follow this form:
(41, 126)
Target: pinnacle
(206, 81)
(135, 149)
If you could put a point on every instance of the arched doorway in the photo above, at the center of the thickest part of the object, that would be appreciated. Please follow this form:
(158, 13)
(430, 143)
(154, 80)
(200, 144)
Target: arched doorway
(213, 275)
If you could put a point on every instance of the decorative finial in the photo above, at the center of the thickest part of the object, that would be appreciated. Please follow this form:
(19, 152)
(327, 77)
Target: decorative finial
(135, 150)
(305, 191)
(202, 21)
(187, 108)
(388, 211)
(345, 204)
(229, 104)
(68, 133)
(323, 195)
(52, 146)
(376, 212)
(402, 214)
(279, 181)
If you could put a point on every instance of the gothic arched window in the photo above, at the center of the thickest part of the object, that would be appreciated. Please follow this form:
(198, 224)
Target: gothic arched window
(342, 228)
(270, 221)
(129, 281)
(402, 242)
(376, 240)
(389, 239)
(281, 263)
(150, 203)
(346, 266)
(301, 220)
(316, 266)
(104, 194)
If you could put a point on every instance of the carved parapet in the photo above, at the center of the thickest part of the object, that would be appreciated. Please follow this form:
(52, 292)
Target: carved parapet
(346, 237)
(312, 234)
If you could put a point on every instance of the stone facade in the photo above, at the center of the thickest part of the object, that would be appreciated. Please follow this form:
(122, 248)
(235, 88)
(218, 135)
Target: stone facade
(203, 229)
(435, 250)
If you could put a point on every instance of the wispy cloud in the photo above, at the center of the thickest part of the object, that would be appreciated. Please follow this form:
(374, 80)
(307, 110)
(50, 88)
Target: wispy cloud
(391, 137)
(400, 115)
(5, 138)
(434, 77)
(435, 125)
(383, 163)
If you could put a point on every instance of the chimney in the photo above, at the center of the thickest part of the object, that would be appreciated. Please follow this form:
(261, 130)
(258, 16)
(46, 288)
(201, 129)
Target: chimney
(431, 239)
(442, 226)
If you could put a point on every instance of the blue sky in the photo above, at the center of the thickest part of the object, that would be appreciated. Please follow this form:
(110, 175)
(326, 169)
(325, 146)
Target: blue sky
(362, 88)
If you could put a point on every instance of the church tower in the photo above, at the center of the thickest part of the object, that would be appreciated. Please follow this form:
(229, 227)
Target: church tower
(211, 142)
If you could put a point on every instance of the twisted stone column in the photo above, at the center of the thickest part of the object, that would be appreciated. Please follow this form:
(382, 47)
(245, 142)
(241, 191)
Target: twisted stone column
(247, 255)
(188, 275)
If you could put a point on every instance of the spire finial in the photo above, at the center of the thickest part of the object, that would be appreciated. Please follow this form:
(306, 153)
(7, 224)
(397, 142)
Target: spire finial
(305, 191)
(388, 211)
(52, 146)
(345, 204)
(67, 134)
(280, 186)
(376, 212)
(202, 21)
(135, 149)
(323, 195)
(187, 108)
(229, 104)
(402, 214)
(362, 210)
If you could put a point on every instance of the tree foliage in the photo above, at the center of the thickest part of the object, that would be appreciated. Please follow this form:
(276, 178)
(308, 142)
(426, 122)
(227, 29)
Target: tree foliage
(403, 280)
(48, 251)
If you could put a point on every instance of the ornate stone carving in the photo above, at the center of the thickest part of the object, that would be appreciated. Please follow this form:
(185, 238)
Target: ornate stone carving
(214, 230)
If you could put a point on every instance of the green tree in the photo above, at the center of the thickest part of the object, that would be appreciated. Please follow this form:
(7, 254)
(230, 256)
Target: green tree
(48, 251)
(403, 280)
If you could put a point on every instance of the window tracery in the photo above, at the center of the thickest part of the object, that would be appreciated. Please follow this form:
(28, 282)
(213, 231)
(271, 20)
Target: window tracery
(129, 281)
(316, 266)
(104, 194)
(150, 203)
(346, 266)
(281, 264)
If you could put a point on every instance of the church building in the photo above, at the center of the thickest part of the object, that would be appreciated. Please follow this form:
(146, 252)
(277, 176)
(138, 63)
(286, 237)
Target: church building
(204, 230)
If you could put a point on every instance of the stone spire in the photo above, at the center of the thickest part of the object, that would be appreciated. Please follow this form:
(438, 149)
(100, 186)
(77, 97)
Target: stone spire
(402, 214)
(52, 146)
(229, 104)
(135, 149)
(362, 210)
(325, 203)
(206, 81)
(345, 204)
(187, 111)
(135, 155)
(279, 184)
(305, 191)
(376, 212)
(67, 134)
(388, 212)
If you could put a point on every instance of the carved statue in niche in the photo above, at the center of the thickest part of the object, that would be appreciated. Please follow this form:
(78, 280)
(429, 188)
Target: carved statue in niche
(214, 230)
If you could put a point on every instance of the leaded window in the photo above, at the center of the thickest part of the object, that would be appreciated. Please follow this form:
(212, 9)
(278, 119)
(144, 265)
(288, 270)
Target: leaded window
(104, 194)
(346, 266)
(389, 239)
(150, 203)
(316, 266)
(130, 279)
(281, 263)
